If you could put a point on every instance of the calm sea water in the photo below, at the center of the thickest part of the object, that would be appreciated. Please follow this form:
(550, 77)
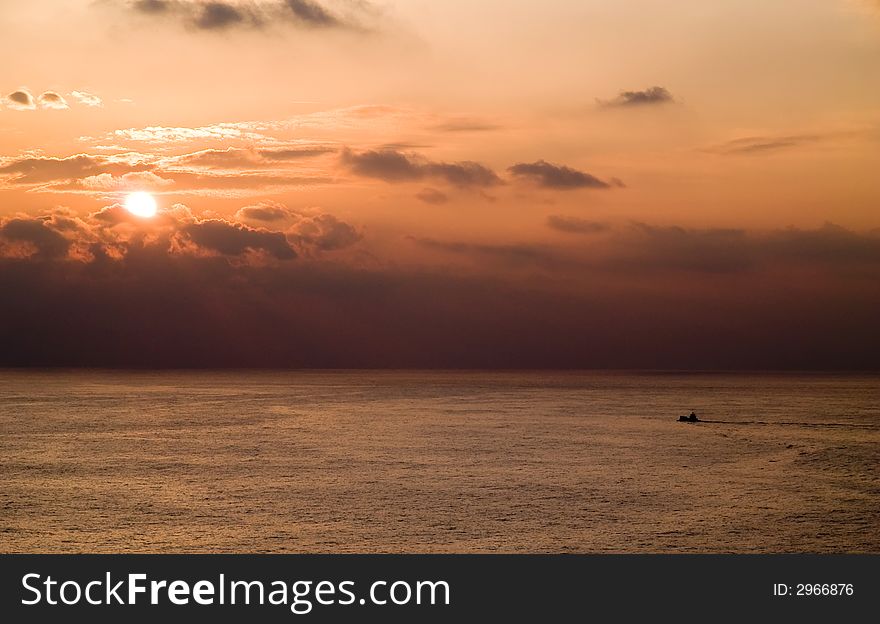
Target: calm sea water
(437, 461)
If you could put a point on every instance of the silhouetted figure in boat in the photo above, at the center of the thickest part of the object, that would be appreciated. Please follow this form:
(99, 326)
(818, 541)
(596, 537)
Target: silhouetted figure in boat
(691, 418)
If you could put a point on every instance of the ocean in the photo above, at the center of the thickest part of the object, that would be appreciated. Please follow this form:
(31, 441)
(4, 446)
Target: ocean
(434, 461)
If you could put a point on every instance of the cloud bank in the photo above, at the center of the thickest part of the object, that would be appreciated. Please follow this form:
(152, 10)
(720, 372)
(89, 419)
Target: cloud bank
(186, 291)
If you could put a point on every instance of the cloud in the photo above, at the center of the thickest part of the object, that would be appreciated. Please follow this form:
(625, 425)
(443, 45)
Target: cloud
(324, 232)
(272, 230)
(311, 13)
(767, 144)
(388, 165)
(21, 100)
(463, 174)
(218, 15)
(649, 97)
(168, 134)
(432, 196)
(52, 100)
(187, 181)
(87, 99)
(114, 232)
(206, 172)
(394, 166)
(560, 177)
(230, 157)
(137, 180)
(115, 215)
(38, 169)
(46, 242)
(375, 118)
(294, 153)
(465, 125)
(307, 229)
(233, 157)
(267, 212)
(212, 15)
(575, 225)
(151, 6)
(234, 239)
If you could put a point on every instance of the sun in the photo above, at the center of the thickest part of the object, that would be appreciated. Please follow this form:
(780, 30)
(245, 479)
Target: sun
(141, 204)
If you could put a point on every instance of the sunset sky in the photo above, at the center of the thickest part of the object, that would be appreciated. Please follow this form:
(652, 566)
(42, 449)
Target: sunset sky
(570, 183)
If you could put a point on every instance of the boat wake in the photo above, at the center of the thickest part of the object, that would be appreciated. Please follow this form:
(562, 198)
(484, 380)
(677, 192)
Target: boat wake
(820, 425)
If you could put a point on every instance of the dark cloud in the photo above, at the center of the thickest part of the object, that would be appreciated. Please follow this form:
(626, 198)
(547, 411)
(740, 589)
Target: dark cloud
(387, 165)
(394, 166)
(151, 6)
(647, 97)
(213, 15)
(575, 225)
(432, 196)
(559, 177)
(233, 239)
(217, 15)
(463, 174)
(47, 242)
(21, 100)
(311, 13)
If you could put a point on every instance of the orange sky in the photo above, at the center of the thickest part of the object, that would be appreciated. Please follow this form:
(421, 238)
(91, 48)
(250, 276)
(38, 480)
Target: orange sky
(563, 143)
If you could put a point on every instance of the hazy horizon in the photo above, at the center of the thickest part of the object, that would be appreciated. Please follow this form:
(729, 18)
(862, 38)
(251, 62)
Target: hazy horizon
(623, 371)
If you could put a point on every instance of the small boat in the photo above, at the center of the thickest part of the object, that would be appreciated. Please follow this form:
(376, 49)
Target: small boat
(691, 418)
